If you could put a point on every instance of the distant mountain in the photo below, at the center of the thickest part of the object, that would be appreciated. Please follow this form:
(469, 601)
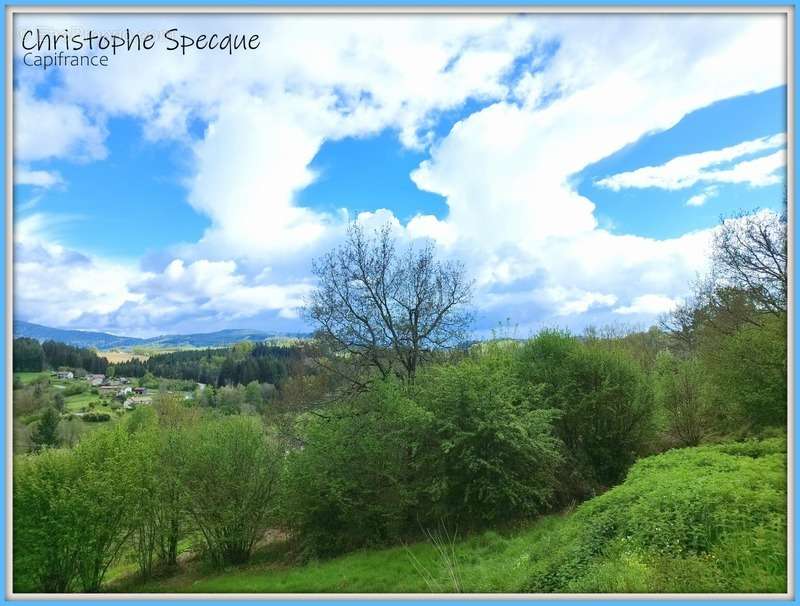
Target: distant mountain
(80, 338)
(102, 340)
(219, 338)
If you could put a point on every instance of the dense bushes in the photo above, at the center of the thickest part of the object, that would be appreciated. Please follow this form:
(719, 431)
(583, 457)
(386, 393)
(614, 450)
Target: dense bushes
(492, 455)
(483, 438)
(682, 398)
(45, 520)
(465, 444)
(70, 513)
(354, 481)
(229, 475)
(749, 371)
(605, 402)
(137, 485)
(701, 519)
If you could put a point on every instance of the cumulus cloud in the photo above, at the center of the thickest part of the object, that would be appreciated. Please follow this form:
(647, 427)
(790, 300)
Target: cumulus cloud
(702, 197)
(685, 171)
(59, 286)
(650, 304)
(45, 129)
(38, 178)
(558, 93)
(505, 170)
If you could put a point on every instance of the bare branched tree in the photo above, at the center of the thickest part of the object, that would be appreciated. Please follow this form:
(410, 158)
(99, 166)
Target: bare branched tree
(748, 279)
(750, 253)
(385, 309)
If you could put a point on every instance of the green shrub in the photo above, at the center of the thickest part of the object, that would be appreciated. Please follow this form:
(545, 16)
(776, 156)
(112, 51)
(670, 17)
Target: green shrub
(464, 446)
(681, 398)
(75, 388)
(749, 371)
(229, 475)
(353, 483)
(697, 519)
(105, 490)
(606, 404)
(46, 516)
(70, 513)
(96, 417)
(492, 456)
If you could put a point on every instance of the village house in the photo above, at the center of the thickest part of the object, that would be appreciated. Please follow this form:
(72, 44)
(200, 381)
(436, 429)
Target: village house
(108, 390)
(64, 375)
(140, 391)
(95, 380)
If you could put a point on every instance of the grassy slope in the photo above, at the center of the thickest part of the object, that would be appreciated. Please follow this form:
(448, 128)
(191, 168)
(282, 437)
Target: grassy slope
(485, 562)
(709, 519)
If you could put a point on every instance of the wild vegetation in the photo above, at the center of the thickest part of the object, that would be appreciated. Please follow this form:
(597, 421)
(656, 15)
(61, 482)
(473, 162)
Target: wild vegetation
(392, 455)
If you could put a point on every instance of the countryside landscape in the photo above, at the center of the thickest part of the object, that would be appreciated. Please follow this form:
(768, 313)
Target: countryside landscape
(389, 453)
(404, 304)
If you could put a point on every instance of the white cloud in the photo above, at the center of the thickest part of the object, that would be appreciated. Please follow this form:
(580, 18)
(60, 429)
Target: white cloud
(703, 197)
(38, 178)
(505, 171)
(58, 286)
(46, 129)
(685, 171)
(649, 304)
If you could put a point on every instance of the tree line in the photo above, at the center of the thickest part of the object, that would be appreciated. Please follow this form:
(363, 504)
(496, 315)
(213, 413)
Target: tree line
(238, 365)
(29, 355)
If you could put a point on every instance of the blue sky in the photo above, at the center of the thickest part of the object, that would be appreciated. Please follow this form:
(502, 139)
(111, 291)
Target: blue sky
(575, 191)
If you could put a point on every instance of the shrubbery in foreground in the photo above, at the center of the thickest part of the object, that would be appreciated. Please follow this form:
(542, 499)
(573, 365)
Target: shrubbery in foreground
(706, 519)
(465, 442)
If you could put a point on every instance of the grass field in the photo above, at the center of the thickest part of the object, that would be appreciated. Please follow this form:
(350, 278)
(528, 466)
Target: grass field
(78, 401)
(485, 562)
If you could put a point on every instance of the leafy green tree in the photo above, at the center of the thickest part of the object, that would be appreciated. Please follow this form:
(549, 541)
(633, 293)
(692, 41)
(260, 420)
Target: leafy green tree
(46, 522)
(158, 518)
(59, 402)
(46, 433)
(355, 483)
(492, 454)
(230, 477)
(105, 500)
(72, 513)
(681, 397)
(230, 399)
(606, 404)
(253, 395)
(465, 442)
(748, 370)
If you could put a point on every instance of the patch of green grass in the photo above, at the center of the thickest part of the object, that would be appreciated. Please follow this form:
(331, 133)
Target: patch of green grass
(485, 562)
(76, 402)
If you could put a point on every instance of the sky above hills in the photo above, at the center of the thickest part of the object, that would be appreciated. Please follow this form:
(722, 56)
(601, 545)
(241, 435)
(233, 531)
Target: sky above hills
(576, 164)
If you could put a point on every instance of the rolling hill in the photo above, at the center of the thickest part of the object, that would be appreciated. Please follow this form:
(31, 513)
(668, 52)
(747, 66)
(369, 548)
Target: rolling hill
(105, 341)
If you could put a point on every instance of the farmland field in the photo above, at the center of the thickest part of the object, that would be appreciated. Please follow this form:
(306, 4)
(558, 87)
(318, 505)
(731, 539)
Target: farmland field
(116, 356)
